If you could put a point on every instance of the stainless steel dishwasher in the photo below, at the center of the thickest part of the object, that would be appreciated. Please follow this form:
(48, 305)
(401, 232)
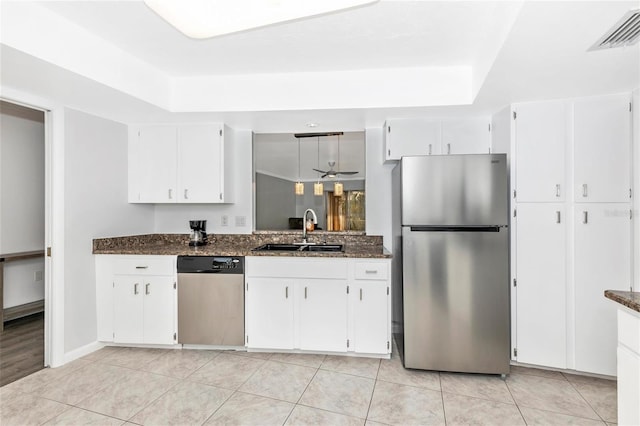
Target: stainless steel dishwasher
(211, 300)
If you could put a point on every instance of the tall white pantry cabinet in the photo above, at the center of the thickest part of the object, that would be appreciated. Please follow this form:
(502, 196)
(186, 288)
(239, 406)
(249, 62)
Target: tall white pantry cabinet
(571, 172)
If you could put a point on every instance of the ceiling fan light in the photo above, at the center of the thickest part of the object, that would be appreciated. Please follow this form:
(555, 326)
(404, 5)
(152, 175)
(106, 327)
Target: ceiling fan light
(338, 189)
(318, 188)
(299, 188)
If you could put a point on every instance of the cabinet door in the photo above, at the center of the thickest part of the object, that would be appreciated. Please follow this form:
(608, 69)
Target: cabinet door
(323, 315)
(628, 387)
(602, 153)
(127, 309)
(269, 313)
(200, 162)
(541, 325)
(411, 137)
(540, 132)
(602, 261)
(469, 136)
(158, 309)
(156, 165)
(370, 317)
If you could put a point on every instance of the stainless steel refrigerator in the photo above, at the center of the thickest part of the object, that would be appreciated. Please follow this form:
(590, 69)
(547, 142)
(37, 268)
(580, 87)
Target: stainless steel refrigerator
(455, 262)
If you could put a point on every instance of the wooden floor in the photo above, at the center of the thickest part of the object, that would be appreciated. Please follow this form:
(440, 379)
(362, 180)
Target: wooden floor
(21, 348)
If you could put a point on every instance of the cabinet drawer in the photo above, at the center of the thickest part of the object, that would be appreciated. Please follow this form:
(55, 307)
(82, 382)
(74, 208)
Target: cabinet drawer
(371, 270)
(629, 330)
(144, 265)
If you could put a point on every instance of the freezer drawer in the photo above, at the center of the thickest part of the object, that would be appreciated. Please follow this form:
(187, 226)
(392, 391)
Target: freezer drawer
(456, 300)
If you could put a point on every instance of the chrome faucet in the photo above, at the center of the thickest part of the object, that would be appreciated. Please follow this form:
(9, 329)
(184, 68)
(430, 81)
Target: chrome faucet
(304, 223)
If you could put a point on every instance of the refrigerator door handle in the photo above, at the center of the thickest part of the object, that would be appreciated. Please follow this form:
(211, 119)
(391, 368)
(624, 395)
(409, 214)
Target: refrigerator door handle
(481, 228)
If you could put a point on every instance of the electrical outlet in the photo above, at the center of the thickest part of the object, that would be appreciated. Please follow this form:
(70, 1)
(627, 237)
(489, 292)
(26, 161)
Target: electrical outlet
(38, 276)
(224, 220)
(241, 220)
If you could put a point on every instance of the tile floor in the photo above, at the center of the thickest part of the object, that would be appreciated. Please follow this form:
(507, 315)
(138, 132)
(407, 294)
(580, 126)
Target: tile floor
(115, 386)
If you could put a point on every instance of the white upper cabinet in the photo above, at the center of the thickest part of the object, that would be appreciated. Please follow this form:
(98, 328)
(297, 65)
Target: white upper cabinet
(470, 136)
(403, 137)
(180, 164)
(201, 164)
(154, 165)
(540, 140)
(602, 149)
(418, 136)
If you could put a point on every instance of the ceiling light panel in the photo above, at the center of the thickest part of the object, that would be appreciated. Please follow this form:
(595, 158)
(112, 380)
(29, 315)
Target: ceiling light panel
(209, 18)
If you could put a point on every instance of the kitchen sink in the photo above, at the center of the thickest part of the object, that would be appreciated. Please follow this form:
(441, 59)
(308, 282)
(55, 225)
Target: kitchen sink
(279, 247)
(325, 248)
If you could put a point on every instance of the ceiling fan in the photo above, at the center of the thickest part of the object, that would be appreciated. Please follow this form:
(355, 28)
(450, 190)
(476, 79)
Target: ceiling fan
(332, 173)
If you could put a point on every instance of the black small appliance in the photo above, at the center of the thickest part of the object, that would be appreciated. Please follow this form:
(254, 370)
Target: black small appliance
(198, 232)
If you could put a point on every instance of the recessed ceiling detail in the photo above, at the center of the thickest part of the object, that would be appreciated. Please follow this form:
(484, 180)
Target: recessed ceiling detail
(624, 33)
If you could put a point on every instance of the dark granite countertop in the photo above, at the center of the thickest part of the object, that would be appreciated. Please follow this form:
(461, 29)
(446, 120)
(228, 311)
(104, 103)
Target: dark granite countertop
(630, 299)
(356, 245)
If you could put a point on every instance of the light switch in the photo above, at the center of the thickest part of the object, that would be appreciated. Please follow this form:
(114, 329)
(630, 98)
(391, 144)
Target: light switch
(241, 221)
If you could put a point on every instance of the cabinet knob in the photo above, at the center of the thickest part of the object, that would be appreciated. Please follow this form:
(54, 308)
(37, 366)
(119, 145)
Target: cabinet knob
(585, 217)
(186, 194)
(146, 288)
(286, 292)
(305, 292)
(557, 190)
(170, 194)
(558, 216)
(584, 190)
(430, 149)
(360, 294)
(135, 288)
(448, 148)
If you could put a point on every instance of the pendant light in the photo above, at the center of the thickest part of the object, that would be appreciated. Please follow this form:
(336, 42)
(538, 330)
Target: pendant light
(299, 186)
(318, 187)
(338, 188)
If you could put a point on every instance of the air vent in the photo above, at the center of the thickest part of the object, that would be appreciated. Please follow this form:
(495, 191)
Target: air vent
(624, 33)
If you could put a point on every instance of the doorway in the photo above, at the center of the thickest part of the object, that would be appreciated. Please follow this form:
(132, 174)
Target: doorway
(22, 241)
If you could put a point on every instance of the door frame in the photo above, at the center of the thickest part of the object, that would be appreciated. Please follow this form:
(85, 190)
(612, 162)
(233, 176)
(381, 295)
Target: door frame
(53, 219)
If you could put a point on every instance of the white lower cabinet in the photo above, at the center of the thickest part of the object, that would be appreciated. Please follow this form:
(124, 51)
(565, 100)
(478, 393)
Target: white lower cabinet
(269, 313)
(313, 304)
(136, 299)
(602, 261)
(323, 314)
(628, 366)
(541, 276)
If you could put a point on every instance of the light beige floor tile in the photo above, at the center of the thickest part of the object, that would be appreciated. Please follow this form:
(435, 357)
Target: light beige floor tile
(548, 394)
(45, 376)
(179, 363)
(302, 415)
(372, 423)
(464, 410)
(82, 383)
(244, 409)
(281, 381)
(391, 370)
(185, 404)
(549, 374)
(395, 404)
(339, 393)
(23, 409)
(77, 416)
(363, 367)
(602, 396)
(308, 360)
(226, 371)
(257, 355)
(100, 353)
(476, 385)
(132, 357)
(544, 418)
(128, 396)
(580, 378)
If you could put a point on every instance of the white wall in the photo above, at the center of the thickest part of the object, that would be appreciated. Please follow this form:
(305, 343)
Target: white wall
(21, 179)
(21, 201)
(174, 218)
(378, 188)
(95, 205)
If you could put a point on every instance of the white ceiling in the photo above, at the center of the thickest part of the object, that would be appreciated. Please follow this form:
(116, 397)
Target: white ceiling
(119, 60)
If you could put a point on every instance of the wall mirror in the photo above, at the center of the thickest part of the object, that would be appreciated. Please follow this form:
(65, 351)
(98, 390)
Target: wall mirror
(287, 180)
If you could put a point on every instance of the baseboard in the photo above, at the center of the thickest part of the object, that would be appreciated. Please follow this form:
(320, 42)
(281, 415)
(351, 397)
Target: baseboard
(82, 351)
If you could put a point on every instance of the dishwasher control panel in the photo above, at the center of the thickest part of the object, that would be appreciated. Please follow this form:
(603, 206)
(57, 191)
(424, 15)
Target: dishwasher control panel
(210, 264)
